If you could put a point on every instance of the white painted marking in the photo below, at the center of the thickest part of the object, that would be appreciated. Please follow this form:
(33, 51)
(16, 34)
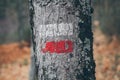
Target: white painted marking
(54, 30)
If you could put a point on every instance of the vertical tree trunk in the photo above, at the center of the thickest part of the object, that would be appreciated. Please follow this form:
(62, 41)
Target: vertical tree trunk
(21, 24)
(62, 40)
(2, 9)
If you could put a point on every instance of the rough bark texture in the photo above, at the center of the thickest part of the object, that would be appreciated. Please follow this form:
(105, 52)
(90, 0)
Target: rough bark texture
(56, 20)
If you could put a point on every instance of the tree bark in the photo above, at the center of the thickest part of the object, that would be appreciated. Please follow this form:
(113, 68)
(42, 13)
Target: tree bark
(62, 40)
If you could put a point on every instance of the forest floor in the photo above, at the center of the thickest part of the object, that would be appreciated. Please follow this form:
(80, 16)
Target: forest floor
(15, 59)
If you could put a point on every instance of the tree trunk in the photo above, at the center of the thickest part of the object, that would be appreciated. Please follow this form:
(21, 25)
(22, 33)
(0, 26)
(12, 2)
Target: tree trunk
(62, 40)
(2, 9)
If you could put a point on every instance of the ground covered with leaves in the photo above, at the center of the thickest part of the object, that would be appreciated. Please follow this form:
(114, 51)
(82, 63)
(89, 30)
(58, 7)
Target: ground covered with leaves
(15, 59)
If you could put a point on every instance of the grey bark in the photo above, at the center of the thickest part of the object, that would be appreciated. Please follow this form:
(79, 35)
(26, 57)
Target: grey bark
(55, 20)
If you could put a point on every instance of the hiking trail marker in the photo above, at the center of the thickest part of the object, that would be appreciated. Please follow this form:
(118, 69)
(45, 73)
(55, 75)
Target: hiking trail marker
(56, 38)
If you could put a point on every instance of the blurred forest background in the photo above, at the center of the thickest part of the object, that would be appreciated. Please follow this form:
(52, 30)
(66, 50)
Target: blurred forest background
(15, 31)
(14, 21)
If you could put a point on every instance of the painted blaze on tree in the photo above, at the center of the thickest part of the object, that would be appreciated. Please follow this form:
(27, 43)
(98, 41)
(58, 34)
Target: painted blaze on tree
(53, 31)
(62, 40)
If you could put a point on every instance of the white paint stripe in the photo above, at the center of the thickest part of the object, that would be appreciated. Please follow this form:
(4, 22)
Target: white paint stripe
(55, 30)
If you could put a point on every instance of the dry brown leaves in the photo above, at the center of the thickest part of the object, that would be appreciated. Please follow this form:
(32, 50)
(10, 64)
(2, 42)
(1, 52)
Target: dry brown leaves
(15, 59)
(13, 51)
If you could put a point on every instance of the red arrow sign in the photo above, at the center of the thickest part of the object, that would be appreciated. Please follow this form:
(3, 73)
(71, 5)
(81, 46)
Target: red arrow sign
(63, 46)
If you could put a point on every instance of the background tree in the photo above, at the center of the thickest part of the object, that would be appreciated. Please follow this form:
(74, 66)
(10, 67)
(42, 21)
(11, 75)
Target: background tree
(107, 12)
(62, 40)
(14, 21)
(2, 9)
(22, 13)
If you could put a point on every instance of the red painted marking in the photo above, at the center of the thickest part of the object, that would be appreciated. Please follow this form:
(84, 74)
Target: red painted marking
(70, 46)
(50, 46)
(63, 46)
(60, 47)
